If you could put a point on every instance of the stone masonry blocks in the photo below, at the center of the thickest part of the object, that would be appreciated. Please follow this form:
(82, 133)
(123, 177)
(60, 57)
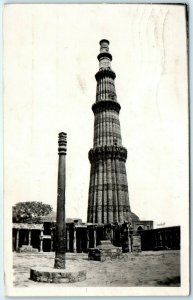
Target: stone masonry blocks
(51, 275)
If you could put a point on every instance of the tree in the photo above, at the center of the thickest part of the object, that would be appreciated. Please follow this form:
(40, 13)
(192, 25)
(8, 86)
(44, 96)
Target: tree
(30, 212)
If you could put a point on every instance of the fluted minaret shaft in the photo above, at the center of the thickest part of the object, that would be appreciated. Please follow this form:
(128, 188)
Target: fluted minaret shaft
(108, 190)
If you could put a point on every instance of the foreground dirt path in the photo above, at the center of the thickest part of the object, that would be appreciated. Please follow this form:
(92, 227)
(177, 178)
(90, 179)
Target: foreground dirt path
(144, 269)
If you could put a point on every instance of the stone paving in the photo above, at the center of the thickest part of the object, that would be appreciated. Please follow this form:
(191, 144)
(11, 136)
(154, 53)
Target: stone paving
(149, 268)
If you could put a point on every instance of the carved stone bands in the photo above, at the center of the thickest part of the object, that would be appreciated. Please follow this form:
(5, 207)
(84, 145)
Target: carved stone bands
(107, 208)
(62, 142)
(109, 119)
(105, 73)
(109, 186)
(107, 152)
(105, 104)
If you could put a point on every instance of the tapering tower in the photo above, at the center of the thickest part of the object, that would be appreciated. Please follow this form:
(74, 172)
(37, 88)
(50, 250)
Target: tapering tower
(108, 191)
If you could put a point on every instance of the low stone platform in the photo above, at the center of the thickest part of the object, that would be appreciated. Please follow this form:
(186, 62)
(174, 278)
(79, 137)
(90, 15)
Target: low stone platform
(27, 248)
(51, 275)
(105, 251)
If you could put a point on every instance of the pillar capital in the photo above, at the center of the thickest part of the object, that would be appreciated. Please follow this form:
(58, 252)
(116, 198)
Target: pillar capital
(62, 142)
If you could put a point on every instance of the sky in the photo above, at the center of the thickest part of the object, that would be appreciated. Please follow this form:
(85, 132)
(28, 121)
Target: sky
(50, 59)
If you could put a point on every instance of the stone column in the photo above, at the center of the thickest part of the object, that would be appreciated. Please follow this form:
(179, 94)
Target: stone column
(52, 236)
(129, 243)
(94, 237)
(41, 241)
(155, 240)
(87, 239)
(112, 235)
(29, 238)
(165, 238)
(120, 236)
(17, 239)
(74, 241)
(60, 220)
(68, 239)
(161, 239)
(125, 237)
(25, 242)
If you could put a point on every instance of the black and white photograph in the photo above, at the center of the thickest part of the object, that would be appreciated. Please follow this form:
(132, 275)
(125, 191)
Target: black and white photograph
(96, 150)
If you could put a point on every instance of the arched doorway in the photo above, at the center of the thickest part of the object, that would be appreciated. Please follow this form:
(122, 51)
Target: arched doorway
(140, 228)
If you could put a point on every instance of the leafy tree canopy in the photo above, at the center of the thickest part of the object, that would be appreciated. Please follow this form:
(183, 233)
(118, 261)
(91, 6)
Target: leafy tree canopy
(30, 212)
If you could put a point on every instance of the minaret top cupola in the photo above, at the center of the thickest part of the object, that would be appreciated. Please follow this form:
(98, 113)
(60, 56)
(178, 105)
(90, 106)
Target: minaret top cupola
(104, 56)
(105, 76)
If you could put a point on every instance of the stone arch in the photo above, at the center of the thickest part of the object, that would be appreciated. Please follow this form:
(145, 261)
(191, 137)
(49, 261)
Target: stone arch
(140, 228)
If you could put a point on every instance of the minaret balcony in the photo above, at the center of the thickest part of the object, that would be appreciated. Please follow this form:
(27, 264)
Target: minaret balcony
(105, 73)
(107, 152)
(104, 54)
(100, 106)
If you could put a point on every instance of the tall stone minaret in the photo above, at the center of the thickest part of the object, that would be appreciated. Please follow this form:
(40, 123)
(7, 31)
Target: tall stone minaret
(108, 191)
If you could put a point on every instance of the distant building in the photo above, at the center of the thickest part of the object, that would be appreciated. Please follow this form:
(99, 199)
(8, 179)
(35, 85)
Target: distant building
(80, 236)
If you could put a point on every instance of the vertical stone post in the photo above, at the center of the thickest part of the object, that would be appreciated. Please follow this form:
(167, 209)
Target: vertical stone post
(161, 239)
(29, 238)
(60, 221)
(17, 240)
(129, 239)
(165, 238)
(155, 240)
(94, 237)
(125, 237)
(52, 236)
(68, 239)
(74, 241)
(120, 236)
(41, 241)
(25, 242)
(129, 243)
(112, 234)
(87, 239)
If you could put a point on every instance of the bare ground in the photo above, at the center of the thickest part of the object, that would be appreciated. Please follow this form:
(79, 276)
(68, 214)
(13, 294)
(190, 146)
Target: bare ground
(149, 268)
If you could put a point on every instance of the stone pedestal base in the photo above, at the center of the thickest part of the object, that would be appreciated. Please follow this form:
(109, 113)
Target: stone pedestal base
(27, 248)
(51, 275)
(105, 251)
